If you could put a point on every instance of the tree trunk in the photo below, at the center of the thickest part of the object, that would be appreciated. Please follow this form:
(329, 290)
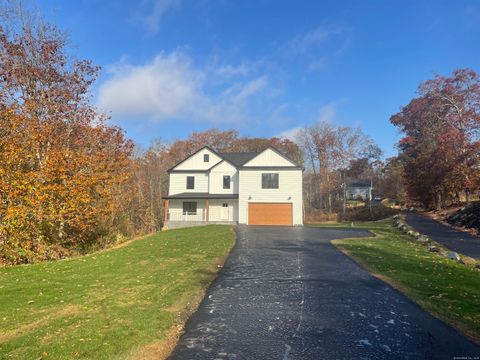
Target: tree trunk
(439, 200)
(467, 195)
(457, 197)
(329, 202)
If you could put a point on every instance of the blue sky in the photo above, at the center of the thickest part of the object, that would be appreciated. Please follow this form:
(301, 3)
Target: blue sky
(265, 67)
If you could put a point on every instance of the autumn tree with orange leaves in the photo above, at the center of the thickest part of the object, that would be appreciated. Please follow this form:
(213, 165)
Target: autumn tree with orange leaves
(63, 171)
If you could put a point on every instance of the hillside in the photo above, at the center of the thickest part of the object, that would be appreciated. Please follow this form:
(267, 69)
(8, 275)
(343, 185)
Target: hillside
(466, 217)
(125, 303)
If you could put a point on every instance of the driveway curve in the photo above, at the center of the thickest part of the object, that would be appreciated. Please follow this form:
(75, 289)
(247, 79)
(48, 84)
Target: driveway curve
(287, 293)
(455, 240)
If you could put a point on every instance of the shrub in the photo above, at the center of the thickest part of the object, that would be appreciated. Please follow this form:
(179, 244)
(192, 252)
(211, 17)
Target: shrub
(367, 214)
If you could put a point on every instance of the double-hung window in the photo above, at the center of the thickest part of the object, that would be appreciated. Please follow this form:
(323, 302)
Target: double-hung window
(270, 181)
(226, 181)
(190, 182)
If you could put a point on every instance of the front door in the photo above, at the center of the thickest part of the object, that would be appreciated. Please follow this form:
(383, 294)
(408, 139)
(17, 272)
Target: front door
(224, 212)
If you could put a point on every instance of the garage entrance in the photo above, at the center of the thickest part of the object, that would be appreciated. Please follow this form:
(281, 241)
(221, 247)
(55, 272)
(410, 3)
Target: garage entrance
(270, 214)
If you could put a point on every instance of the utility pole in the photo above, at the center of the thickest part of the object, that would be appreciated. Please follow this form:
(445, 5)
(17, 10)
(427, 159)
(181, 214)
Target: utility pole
(370, 195)
(344, 185)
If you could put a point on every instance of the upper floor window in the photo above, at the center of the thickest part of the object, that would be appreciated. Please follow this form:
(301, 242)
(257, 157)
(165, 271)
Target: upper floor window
(190, 182)
(206, 157)
(270, 181)
(226, 182)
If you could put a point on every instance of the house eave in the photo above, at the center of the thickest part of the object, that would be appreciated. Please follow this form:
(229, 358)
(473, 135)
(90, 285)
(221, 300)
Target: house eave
(200, 196)
(271, 168)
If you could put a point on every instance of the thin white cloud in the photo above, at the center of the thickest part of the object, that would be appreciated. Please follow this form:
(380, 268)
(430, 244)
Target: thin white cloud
(326, 113)
(300, 44)
(290, 134)
(151, 12)
(318, 46)
(229, 70)
(172, 87)
(312, 39)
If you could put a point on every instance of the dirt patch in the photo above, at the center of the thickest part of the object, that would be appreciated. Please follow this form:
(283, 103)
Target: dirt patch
(69, 310)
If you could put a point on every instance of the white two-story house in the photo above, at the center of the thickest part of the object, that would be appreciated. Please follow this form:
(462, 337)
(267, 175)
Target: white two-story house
(262, 188)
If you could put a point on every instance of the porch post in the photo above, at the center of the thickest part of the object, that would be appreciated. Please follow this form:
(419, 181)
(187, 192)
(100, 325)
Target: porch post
(165, 211)
(206, 210)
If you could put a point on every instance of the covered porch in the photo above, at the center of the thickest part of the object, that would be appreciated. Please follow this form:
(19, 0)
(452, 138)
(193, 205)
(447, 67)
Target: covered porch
(193, 209)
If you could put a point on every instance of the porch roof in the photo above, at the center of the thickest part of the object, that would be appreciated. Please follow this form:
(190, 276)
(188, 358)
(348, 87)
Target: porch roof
(191, 195)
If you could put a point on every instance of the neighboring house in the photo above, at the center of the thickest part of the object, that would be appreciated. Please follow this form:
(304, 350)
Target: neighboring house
(359, 189)
(262, 188)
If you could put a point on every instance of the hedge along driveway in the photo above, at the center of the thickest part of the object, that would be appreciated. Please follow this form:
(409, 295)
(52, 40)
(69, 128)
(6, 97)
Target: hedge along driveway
(124, 303)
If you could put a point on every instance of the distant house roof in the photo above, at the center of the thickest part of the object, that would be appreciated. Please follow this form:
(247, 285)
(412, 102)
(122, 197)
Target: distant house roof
(238, 158)
(352, 183)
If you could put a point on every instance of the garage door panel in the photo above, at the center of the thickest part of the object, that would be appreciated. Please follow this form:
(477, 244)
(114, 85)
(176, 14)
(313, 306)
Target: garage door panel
(270, 214)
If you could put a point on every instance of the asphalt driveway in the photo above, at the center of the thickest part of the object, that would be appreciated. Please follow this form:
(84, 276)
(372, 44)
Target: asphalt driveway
(455, 240)
(287, 293)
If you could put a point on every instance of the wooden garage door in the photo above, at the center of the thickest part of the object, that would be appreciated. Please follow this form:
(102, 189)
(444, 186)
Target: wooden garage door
(269, 213)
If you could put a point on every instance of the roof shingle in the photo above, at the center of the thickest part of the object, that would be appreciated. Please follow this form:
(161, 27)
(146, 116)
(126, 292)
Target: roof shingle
(238, 158)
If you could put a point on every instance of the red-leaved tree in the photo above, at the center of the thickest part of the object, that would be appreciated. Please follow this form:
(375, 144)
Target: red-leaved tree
(442, 138)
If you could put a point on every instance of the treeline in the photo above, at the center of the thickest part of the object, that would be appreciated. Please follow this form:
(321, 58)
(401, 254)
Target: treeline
(69, 182)
(441, 148)
(333, 154)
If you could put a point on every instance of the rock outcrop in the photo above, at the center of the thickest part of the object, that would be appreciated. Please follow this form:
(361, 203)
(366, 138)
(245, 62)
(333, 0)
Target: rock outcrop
(468, 217)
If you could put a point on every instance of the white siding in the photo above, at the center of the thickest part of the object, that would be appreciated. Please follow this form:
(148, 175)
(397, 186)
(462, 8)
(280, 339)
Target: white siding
(175, 211)
(354, 193)
(215, 208)
(269, 157)
(195, 162)
(178, 183)
(216, 179)
(289, 191)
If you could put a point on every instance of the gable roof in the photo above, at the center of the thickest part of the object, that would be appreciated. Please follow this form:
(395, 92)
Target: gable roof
(195, 152)
(278, 152)
(366, 183)
(238, 158)
(220, 162)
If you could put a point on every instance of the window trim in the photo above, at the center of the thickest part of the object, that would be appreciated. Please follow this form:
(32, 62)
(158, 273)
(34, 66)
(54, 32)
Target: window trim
(206, 157)
(270, 177)
(184, 211)
(193, 182)
(229, 182)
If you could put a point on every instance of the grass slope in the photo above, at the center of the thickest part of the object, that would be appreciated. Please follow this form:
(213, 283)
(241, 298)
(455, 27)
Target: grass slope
(124, 303)
(449, 290)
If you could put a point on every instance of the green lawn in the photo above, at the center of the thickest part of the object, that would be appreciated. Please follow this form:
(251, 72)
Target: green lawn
(125, 303)
(449, 290)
